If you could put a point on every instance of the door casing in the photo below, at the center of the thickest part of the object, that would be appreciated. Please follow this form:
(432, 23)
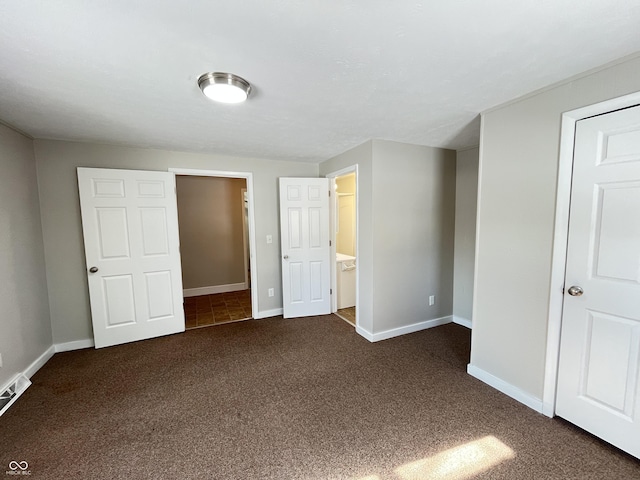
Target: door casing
(245, 236)
(332, 231)
(560, 237)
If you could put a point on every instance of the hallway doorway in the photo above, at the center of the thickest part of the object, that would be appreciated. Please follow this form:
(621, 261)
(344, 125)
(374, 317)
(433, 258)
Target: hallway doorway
(217, 246)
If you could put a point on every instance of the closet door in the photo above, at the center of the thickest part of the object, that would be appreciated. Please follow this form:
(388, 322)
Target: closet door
(130, 227)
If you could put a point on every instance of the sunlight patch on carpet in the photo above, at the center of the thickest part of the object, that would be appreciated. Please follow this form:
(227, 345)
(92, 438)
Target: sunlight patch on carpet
(459, 463)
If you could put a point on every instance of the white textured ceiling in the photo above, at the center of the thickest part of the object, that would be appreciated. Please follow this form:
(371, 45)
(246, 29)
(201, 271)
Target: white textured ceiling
(327, 74)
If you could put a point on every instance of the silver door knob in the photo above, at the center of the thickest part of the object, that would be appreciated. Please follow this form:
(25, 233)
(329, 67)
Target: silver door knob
(93, 269)
(575, 291)
(286, 257)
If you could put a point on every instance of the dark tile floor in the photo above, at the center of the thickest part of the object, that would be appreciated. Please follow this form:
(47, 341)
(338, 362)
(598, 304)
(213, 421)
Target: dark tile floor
(208, 310)
(349, 314)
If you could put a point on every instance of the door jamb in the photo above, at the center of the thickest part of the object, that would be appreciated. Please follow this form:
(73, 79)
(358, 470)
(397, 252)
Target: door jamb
(248, 176)
(245, 235)
(332, 231)
(561, 234)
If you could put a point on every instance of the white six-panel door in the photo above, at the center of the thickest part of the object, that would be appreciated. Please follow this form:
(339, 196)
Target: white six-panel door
(598, 376)
(130, 226)
(304, 228)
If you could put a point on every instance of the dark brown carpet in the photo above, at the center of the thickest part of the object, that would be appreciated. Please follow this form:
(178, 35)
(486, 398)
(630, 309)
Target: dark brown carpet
(288, 399)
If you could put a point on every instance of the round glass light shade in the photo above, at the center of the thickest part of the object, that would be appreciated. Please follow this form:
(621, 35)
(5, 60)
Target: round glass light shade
(224, 87)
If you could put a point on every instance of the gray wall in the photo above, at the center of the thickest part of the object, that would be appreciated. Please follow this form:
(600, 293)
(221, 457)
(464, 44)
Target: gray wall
(465, 237)
(413, 229)
(66, 274)
(210, 215)
(25, 328)
(406, 199)
(519, 151)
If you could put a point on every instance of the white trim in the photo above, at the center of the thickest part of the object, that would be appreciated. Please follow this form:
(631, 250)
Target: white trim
(465, 322)
(343, 171)
(20, 384)
(332, 231)
(213, 289)
(396, 332)
(208, 173)
(268, 313)
(75, 345)
(245, 238)
(39, 362)
(365, 333)
(252, 219)
(506, 388)
(560, 236)
(23, 379)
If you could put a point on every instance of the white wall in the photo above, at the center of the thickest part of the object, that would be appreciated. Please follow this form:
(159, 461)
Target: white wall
(25, 328)
(519, 150)
(465, 236)
(65, 264)
(406, 199)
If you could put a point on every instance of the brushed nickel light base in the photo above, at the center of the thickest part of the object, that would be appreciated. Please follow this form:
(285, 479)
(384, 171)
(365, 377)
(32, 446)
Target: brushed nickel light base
(224, 87)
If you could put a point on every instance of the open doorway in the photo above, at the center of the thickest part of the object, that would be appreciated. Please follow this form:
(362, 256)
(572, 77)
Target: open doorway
(215, 226)
(344, 243)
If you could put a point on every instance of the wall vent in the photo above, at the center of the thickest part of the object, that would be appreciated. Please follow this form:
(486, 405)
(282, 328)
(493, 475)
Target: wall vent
(11, 393)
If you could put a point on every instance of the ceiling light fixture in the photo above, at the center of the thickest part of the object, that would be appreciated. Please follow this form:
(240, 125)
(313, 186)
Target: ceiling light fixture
(224, 87)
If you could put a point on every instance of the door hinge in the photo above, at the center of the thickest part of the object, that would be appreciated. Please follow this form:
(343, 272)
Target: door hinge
(331, 291)
(329, 192)
(329, 242)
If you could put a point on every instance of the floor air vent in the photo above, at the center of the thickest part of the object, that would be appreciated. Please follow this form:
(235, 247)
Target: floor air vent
(11, 393)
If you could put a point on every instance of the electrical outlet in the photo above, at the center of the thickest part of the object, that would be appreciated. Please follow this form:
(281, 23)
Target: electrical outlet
(432, 300)
(271, 292)
(269, 238)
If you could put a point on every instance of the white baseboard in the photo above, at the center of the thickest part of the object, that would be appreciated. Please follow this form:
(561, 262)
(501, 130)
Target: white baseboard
(549, 409)
(39, 362)
(364, 333)
(415, 327)
(268, 313)
(212, 290)
(19, 383)
(506, 388)
(22, 380)
(76, 345)
(462, 321)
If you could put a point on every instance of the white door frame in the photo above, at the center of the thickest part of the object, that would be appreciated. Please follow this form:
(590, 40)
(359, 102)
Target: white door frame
(248, 176)
(560, 237)
(333, 201)
(245, 227)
